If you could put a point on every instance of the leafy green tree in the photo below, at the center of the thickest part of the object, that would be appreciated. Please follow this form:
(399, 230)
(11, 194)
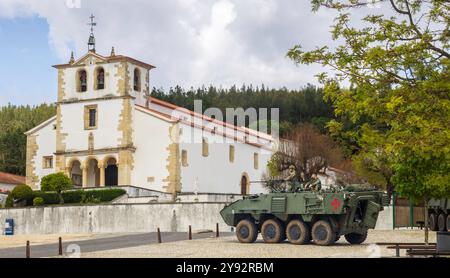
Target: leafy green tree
(57, 182)
(14, 121)
(374, 168)
(398, 70)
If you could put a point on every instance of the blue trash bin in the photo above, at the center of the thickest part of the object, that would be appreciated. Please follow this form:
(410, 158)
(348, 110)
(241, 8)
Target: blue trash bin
(9, 227)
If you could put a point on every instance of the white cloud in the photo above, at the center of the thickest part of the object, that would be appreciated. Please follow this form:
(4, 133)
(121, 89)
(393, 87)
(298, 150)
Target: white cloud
(191, 42)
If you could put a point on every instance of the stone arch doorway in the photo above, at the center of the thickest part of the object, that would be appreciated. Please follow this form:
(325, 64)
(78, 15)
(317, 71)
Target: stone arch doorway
(245, 182)
(76, 173)
(111, 172)
(93, 173)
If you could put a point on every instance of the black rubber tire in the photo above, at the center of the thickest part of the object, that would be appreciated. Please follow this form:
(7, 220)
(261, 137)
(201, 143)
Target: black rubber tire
(272, 231)
(448, 223)
(356, 238)
(322, 233)
(442, 218)
(298, 232)
(246, 231)
(433, 221)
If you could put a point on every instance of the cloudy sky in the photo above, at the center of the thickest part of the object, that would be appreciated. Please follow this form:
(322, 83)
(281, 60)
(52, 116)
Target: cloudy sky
(191, 42)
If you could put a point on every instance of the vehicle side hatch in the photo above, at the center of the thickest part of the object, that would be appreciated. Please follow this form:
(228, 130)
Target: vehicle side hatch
(371, 215)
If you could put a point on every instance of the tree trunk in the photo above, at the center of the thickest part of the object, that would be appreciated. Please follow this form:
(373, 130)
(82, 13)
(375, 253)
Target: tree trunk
(426, 221)
(61, 199)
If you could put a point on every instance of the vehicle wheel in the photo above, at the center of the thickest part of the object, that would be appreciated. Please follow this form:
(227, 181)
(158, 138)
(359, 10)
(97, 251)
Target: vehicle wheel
(246, 231)
(441, 222)
(433, 222)
(272, 231)
(448, 223)
(355, 238)
(322, 233)
(298, 232)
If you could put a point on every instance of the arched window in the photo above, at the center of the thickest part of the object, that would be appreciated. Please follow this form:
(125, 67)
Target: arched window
(244, 184)
(82, 81)
(100, 84)
(137, 80)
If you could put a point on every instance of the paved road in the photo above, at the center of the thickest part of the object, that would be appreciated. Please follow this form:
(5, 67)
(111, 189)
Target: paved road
(100, 244)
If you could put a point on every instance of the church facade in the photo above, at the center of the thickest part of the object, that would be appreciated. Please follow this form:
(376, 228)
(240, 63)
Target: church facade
(108, 131)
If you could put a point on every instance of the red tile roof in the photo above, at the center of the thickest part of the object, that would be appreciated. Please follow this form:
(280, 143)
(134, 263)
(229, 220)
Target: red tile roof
(11, 179)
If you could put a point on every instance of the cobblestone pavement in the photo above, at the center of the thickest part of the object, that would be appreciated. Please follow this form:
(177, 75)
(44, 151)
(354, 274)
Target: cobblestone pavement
(229, 247)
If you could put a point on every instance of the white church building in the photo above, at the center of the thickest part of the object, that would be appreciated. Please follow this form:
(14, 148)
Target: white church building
(108, 131)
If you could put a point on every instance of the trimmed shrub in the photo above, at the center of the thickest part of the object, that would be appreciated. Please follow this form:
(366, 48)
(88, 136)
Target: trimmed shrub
(73, 196)
(90, 200)
(9, 201)
(81, 196)
(57, 182)
(38, 201)
(23, 192)
(50, 198)
(105, 195)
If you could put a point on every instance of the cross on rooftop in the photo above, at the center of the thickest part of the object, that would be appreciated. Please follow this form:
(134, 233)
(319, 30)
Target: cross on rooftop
(91, 41)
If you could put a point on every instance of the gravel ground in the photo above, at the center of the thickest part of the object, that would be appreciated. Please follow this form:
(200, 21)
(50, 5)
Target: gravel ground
(229, 247)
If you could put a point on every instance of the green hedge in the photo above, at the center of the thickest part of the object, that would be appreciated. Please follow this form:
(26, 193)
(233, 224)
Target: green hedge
(38, 201)
(80, 196)
(105, 195)
(9, 201)
(24, 192)
(50, 198)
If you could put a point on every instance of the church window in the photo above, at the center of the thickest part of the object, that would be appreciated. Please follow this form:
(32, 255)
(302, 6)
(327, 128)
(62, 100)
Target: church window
(90, 117)
(100, 81)
(137, 80)
(184, 158)
(81, 81)
(205, 147)
(231, 154)
(256, 160)
(48, 162)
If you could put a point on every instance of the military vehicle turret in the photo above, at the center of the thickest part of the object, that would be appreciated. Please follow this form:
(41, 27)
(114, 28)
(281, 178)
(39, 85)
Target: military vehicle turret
(321, 216)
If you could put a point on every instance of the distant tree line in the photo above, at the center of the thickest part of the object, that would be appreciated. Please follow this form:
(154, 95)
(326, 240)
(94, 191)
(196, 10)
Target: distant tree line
(305, 105)
(14, 121)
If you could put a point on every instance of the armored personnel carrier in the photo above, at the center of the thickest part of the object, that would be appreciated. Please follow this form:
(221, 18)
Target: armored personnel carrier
(320, 216)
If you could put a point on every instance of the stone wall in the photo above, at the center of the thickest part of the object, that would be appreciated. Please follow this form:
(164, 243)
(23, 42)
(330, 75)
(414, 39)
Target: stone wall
(117, 218)
(127, 218)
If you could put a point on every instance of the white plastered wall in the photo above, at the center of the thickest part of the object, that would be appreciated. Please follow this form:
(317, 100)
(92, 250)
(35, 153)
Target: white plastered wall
(46, 141)
(215, 173)
(106, 135)
(151, 138)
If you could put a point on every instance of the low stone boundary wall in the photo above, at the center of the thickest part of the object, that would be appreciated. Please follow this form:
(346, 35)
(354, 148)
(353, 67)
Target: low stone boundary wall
(127, 218)
(116, 218)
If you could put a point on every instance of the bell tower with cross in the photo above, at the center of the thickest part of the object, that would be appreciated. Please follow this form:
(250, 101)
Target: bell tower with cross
(94, 125)
(91, 41)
